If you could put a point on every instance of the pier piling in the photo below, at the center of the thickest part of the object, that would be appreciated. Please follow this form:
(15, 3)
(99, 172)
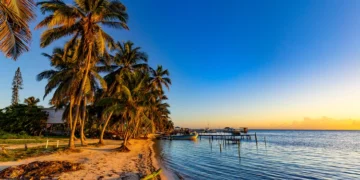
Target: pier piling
(265, 140)
(256, 139)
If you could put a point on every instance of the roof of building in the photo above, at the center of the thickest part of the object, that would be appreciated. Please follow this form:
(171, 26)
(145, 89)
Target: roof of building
(55, 115)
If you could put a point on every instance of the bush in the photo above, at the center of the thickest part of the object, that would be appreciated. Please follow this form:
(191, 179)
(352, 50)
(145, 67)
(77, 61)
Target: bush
(6, 135)
(22, 120)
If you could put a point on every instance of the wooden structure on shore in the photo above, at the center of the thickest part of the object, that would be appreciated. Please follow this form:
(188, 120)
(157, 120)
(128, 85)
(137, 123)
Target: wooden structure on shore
(225, 139)
(228, 137)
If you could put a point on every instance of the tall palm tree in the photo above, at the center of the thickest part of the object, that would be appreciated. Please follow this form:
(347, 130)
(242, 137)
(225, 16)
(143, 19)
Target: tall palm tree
(15, 34)
(31, 101)
(65, 80)
(127, 61)
(159, 77)
(83, 21)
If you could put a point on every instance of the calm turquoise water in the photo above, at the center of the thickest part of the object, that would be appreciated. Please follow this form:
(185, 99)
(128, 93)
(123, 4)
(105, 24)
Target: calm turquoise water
(287, 155)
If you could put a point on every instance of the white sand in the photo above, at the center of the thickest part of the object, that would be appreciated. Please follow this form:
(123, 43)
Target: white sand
(104, 162)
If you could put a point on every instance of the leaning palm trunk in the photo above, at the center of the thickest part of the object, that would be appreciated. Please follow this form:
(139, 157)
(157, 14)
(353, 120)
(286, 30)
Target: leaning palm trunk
(82, 122)
(71, 119)
(123, 147)
(80, 94)
(126, 136)
(101, 139)
(136, 128)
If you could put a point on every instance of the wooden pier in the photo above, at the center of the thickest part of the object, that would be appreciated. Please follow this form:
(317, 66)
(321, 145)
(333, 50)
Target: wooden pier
(228, 137)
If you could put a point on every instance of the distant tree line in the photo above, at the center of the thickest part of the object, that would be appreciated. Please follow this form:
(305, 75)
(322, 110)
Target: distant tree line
(25, 118)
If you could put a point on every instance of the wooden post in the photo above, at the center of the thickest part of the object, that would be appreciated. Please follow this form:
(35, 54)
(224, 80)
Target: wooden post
(47, 143)
(220, 147)
(265, 140)
(57, 143)
(239, 149)
(256, 139)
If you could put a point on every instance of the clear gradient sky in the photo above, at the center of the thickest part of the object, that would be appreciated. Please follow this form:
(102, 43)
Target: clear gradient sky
(261, 64)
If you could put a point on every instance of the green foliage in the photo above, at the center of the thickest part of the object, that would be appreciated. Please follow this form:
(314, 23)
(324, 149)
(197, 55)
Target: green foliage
(22, 119)
(128, 98)
(31, 101)
(20, 135)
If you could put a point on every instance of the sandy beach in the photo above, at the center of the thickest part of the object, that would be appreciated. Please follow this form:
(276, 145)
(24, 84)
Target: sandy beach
(104, 162)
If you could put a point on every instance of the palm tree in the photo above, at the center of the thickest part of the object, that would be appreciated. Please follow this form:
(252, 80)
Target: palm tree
(15, 34)
(31, 101)
(84, 21)
(65, 80)
(127, 61)
(159, 77)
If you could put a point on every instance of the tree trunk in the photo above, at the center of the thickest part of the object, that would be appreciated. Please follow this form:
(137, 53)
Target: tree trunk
(82, 135)
(123, 147)
(80, 94)
(136, 128)
(70, 116)
(71, 140)
(82, 123)
(101, 139)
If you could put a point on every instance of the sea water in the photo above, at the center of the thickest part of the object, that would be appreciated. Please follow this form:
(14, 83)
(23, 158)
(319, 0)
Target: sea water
(287, 154)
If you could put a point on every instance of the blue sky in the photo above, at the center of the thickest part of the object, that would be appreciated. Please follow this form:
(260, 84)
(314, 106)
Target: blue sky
(235, 61)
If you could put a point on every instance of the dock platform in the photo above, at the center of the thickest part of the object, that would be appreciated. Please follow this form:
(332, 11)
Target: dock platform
(230, 137)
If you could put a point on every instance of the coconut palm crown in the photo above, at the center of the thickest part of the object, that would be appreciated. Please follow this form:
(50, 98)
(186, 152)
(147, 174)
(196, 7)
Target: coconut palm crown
(15, 33)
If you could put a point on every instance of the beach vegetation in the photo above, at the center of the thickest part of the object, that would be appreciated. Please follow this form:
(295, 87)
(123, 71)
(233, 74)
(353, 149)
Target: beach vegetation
(84, 22)
(16, 86)
(31, 101)
(105, 86)
(23, 120)
(15, 34)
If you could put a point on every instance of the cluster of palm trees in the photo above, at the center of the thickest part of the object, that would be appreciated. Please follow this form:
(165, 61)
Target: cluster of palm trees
(93, 70)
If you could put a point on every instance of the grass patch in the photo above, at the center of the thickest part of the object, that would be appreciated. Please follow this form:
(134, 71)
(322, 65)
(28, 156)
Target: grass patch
(29, 141)
(16, 154)
(22, 135)
(21, 141)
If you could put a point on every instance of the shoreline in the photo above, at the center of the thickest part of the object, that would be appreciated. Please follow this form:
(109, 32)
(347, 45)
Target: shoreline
(166, 173)
(106, 163)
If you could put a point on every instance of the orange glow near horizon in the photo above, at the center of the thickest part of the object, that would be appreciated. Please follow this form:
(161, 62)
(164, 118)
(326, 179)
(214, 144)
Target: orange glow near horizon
(323, 123)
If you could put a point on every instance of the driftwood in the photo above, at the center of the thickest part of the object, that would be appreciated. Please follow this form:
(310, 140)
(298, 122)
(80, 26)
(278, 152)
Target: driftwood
(152, 175)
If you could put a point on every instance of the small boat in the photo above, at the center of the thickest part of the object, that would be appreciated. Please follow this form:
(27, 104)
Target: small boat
(191, 136)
